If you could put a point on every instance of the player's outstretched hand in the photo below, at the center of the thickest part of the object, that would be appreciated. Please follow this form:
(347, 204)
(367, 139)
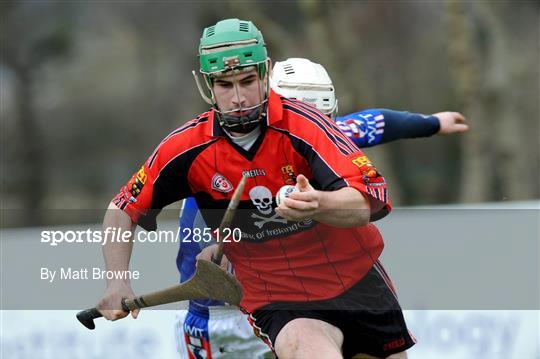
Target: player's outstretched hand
(208, 253)
(301, 205)
(110, 304)
(451, 122)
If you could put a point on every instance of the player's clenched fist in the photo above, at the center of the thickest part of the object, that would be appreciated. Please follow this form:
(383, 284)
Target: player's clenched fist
(209, 252)
(300, 205)
(111, 302)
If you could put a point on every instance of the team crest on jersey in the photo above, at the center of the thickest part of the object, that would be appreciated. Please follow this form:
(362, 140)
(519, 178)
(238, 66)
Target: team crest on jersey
(370, 175)
(365, 165)
(221, 184)
(288, 174)
(136, 184)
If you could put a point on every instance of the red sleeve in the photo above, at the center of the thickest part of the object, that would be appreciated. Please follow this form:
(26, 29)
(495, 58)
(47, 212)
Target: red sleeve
(135, 197)
(336, 162)
(156, 184)
(163, 179)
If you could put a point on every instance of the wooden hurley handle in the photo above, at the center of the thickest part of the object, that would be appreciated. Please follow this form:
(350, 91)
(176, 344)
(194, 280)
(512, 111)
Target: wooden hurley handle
(228, 218)
(86, 317)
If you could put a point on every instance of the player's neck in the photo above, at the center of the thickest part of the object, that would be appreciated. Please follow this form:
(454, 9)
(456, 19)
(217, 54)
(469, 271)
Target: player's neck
(245, 140)
(240, 135)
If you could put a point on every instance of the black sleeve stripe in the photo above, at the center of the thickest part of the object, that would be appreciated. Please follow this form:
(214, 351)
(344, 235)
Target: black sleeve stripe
(341, 146)
(153, 157)
(184, 127)
(325, 174)
(199, 148)
(189, 124)
(120, 202)
(326, 122)
(171, 184)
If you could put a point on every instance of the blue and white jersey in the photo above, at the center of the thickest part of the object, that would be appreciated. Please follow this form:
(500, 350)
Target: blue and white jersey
(376, 126)
(365, 128)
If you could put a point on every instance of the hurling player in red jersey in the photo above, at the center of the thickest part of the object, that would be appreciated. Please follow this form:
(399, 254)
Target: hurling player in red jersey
(309, 269)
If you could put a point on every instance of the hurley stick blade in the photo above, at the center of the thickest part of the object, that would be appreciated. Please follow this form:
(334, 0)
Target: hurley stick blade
(209, 282)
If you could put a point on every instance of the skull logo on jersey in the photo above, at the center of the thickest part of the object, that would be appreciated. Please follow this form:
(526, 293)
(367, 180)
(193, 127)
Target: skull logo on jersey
(261, 198)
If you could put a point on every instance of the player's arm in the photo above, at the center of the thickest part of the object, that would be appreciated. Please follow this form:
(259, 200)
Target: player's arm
(159, 182)
(345, 207)
(377, 126)
(117, 253)
(117, 256)
(355, 191)
(412, 125)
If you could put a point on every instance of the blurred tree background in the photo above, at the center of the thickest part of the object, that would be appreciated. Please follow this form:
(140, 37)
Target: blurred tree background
(88, 89)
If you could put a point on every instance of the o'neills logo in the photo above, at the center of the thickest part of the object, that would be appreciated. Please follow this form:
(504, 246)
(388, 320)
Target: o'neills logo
(221, 184)
(254, 173)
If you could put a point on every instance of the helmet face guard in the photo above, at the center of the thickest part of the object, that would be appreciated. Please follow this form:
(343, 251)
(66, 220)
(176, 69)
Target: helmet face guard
(232, 47)
(306, 81)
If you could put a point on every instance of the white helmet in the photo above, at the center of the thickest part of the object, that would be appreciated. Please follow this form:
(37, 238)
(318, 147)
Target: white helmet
(306, 81)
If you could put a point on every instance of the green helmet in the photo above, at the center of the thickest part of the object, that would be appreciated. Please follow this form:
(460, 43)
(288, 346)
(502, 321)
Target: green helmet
(232, 44)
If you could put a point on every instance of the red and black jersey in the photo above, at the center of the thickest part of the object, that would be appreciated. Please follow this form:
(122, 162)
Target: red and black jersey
(276, 260)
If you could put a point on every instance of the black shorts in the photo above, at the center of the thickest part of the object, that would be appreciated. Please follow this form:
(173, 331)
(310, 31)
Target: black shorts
(368, 315)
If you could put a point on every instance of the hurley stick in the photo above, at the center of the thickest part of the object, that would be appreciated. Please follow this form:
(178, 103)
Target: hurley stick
(210, 281)
(227, 219)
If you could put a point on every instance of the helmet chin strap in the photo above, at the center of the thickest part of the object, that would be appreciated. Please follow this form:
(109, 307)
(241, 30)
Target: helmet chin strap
(242, 123)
